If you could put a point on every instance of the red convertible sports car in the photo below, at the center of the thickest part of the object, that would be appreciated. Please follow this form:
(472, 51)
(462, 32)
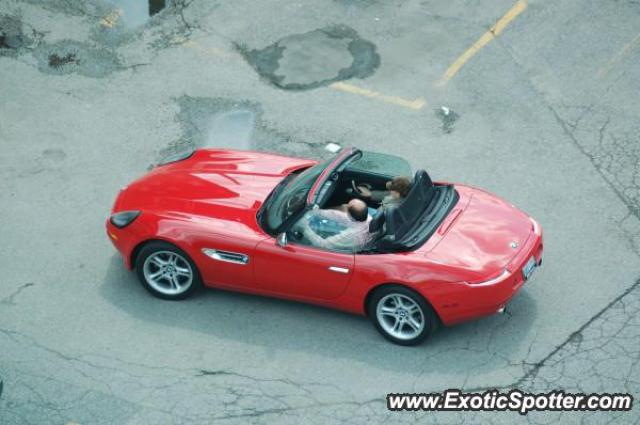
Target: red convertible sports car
(442, 254)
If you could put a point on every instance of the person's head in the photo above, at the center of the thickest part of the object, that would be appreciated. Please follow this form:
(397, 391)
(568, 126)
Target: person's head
(357, 209)
(399, 187)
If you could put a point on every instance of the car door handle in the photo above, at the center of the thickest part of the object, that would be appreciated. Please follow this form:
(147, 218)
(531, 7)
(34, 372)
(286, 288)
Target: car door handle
(342, 270)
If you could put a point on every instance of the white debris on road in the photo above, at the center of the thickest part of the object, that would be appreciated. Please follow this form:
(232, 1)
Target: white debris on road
(333, 147)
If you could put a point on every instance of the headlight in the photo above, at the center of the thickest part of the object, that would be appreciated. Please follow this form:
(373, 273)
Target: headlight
(123, 218)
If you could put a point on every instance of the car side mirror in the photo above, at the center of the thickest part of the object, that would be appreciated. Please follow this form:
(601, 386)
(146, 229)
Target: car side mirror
(281, 240)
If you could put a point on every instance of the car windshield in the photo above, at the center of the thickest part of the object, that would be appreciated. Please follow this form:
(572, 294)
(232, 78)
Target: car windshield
(380, 163)
(291, 196)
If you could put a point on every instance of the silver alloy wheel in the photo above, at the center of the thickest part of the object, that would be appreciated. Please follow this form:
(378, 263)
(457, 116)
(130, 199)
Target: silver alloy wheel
(400, 316)
(168, 272)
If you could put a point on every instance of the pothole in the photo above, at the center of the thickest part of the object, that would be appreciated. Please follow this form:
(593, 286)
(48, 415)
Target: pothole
(313, 59)
(12, 36)
(4, 44)
(56, 61)
(231, 124)
(68, 56)
(576, 338)
(231, 129)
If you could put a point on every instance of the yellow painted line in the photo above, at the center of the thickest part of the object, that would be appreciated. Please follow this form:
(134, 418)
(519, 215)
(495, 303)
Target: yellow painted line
(493, 32)
(619, 56)
(415, 104)
(208, 50)
(111, 19)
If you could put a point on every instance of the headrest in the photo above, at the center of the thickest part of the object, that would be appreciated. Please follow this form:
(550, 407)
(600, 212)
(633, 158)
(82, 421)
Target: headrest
(402, 217)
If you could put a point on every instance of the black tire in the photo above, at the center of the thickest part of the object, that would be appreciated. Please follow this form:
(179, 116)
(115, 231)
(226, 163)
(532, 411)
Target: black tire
(386, 294)
(160, 249)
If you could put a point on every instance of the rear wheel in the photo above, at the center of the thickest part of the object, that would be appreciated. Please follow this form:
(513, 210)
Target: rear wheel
(401, 315)
(166, 271)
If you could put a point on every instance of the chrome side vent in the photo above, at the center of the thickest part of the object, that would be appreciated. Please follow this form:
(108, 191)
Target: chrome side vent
(226, 256)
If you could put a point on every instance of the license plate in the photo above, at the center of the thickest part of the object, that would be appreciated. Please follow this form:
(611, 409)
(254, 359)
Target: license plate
(529, 268)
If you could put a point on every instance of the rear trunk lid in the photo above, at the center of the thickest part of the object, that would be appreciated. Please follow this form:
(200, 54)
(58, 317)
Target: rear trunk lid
(481, 235)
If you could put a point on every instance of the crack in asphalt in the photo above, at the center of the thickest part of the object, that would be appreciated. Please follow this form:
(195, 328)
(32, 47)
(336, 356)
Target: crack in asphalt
(10, 299)
(571, 339)
(633, 209)
(181, 376)
(568, 129)
(181, 6)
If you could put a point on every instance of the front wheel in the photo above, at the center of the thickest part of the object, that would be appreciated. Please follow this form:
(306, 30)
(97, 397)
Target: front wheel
(166, 271)
(401, 315)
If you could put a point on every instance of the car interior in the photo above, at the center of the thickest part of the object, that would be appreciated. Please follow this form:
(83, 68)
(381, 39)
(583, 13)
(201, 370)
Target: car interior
(399, 227)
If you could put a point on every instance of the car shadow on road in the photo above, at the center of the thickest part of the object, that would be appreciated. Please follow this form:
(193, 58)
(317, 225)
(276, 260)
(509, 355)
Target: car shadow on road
(482, 345)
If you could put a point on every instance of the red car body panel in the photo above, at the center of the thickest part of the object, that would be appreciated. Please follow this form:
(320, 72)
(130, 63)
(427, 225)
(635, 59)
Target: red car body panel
(468, 268)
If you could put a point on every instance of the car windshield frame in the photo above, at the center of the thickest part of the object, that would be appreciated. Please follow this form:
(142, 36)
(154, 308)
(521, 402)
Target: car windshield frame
(295, 192)
(273, 214)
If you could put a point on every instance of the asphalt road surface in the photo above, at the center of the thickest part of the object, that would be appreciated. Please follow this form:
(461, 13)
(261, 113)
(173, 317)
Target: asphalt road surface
(541, 107)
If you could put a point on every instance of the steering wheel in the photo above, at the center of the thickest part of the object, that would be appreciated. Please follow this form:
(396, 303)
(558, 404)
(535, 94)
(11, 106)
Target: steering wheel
(354, 186)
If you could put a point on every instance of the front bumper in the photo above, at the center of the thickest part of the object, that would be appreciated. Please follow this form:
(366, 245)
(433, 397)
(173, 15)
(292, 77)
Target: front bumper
(124, 240)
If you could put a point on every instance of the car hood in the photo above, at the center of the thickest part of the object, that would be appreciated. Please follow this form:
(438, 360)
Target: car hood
(480, 236)
(222, 184)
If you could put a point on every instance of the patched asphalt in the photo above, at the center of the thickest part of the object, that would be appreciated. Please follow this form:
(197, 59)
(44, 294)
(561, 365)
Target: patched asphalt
(315, 58)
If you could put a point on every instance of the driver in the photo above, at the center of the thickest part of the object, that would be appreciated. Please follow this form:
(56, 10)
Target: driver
(355, 235)
(397, 190)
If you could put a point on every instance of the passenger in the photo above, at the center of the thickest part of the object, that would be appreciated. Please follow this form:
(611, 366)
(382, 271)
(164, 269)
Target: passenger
(353, 237)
